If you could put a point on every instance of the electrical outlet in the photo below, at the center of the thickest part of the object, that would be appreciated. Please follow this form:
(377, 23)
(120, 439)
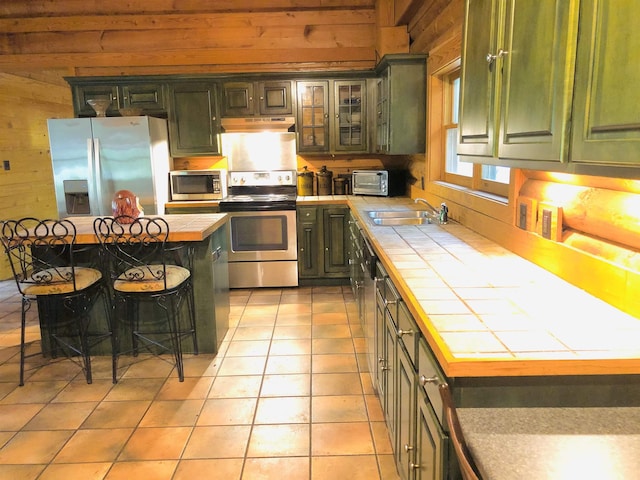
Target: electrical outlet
(549, 223)
(526, 214)
(6, 164)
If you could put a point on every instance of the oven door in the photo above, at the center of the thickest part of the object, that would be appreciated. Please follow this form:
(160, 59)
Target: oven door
(263, 249)
(265, 235)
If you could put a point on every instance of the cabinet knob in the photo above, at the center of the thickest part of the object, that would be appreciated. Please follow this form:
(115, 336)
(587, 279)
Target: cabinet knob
(407, 447)
(389, 302)
(415, 466)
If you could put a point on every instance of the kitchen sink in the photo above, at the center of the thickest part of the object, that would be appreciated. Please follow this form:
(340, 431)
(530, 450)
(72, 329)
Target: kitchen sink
(395, 221)
(398, 214)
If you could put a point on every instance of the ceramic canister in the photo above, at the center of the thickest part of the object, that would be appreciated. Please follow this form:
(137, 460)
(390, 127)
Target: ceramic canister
(305, 182)
(324, 181)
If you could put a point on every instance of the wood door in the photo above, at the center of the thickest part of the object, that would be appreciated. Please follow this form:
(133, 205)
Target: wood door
(478, 83)
(237, 99)
(193, 120)
(336, 238)
(431, 454)
(148, 96)
(308, 243)
(606, 123)
(537, 79)
(275, 98)
(83, 93)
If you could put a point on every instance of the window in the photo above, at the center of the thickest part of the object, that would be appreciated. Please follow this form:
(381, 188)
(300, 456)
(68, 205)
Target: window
(486, 178)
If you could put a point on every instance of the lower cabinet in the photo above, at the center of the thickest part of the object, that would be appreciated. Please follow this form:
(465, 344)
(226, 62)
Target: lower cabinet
(323, 242)
(220, 267)
(406, 381)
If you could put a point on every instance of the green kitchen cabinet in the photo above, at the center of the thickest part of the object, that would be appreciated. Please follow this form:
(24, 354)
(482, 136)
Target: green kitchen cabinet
(308, 242)
(606, 123)
(323, 242)
(148, 96)
(401, 105)
(332, 116)
(194, 123)
(349, 116)
(406, 380)
(431, 450)
(246, 98)
(516, 91)
(220, 268)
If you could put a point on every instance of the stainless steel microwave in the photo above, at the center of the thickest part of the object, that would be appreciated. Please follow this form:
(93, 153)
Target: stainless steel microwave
(384, 183)
(198, 184)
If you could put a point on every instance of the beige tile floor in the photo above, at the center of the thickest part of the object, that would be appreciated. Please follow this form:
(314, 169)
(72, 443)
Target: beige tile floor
(288, 397)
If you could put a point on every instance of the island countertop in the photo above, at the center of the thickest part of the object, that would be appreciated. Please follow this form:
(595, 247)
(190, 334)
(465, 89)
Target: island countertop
(182, 228)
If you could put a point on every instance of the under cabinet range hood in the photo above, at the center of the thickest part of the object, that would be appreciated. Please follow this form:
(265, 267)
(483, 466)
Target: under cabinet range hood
(258, 124)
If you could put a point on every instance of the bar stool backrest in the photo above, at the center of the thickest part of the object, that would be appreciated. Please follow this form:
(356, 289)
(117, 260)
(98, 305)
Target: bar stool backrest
(41, 254)
(136, 248)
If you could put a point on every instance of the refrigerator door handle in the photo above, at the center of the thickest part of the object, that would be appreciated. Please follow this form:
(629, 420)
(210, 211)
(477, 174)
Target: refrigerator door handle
(97, 175)
(94, 200)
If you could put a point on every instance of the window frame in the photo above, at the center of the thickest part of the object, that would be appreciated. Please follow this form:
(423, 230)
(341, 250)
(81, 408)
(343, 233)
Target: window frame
(446, 76)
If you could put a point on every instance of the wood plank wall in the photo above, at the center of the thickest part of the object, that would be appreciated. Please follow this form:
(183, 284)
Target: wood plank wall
(28, 100)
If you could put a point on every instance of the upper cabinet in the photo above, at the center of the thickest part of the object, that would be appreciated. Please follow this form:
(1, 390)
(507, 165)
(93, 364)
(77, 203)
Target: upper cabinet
(549, 85)
(606, 122)
(515, 99)
(401, 105)
(194, 123)
(148, 96)
(331, 116)
(247, 98)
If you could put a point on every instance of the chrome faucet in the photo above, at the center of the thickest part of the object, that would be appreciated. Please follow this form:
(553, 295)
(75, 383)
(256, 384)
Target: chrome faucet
(441, 215)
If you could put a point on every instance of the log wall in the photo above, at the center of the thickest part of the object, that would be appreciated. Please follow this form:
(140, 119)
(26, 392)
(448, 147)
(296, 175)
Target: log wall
(123, 37)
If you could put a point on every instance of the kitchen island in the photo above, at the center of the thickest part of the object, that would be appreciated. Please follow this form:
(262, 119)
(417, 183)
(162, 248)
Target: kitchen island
(209, 234)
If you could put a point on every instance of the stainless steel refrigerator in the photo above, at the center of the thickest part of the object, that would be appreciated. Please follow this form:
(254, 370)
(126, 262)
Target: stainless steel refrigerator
(95, 157)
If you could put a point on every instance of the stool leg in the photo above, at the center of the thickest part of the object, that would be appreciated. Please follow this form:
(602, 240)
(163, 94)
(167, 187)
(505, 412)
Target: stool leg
(23, 326)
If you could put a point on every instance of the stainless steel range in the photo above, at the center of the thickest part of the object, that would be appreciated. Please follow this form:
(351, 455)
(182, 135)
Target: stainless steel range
(262, 208)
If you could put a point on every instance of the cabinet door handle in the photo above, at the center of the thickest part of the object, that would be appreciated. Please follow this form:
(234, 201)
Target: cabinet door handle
(492, 58)
(389, 302)
(401, 332)
(407, 447)
(415, 466)
(424, 380)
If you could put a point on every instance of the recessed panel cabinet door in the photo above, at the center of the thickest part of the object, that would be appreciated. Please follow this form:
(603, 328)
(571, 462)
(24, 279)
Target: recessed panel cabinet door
(537, 79)
(606, 116)
(477, 118)
(517, 79)
(193, 120)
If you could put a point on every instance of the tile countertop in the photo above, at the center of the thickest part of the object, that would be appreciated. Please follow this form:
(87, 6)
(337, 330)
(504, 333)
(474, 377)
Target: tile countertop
(182, 228)
(553, 443)
(481, 307)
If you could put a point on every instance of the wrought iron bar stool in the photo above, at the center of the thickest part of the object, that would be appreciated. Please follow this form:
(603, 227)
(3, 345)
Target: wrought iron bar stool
(147, 269)
(43, 257)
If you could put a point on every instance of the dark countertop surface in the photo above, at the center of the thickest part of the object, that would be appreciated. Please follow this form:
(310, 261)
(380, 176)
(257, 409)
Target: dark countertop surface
(554, 443)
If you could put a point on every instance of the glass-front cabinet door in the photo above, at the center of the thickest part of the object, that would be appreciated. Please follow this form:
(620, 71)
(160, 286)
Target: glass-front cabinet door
(313, 116)
(349, 128)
